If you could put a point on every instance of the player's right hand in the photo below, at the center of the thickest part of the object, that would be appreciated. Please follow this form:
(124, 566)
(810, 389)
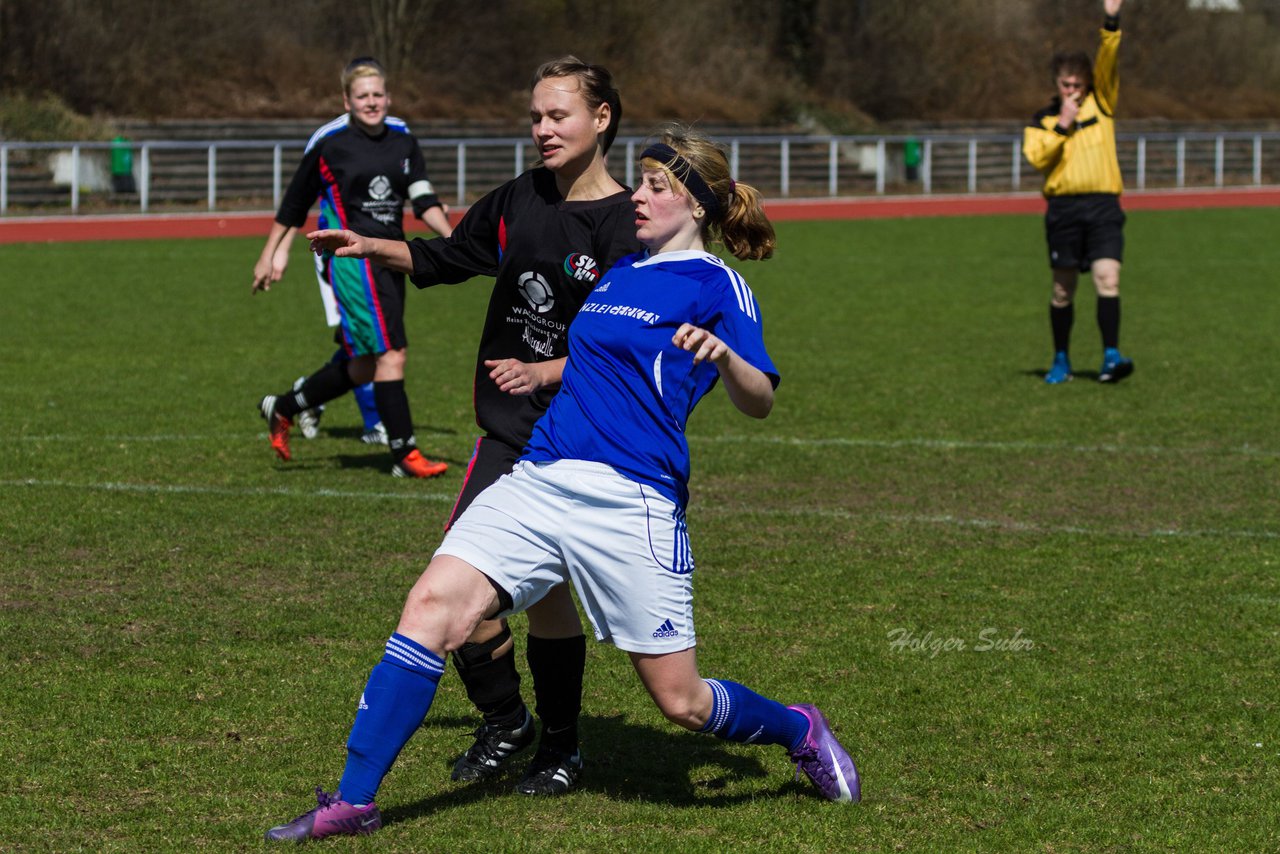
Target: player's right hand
(264, 273)
(1070, 108)
(340, 242)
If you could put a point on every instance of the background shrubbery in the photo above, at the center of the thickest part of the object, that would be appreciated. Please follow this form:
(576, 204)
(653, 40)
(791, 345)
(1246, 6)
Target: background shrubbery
(848, 63)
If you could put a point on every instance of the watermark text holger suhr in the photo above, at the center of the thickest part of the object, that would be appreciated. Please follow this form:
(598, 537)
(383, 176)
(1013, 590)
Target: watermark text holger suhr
(987, 640)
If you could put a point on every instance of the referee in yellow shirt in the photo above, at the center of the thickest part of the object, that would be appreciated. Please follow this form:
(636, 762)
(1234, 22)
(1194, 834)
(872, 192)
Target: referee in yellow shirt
(1073, 144)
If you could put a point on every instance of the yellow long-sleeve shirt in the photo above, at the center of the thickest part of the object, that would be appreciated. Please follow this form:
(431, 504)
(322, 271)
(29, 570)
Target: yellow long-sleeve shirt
(1082, 160)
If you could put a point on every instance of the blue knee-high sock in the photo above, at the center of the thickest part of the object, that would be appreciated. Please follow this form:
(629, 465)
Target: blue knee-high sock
(395, 700)
(368, 409)
(740, 714)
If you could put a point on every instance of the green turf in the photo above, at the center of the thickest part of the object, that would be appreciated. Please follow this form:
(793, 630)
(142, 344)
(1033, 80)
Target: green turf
(1042, 619)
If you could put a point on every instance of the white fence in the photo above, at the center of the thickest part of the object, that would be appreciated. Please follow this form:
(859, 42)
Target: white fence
(52, 176)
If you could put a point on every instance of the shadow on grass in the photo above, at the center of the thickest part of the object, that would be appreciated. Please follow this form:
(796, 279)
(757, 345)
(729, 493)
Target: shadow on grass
(355, 433)
(627, 762)
(1080, 375)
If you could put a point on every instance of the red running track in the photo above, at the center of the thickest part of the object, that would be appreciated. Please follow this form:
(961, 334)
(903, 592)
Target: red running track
(155, 226)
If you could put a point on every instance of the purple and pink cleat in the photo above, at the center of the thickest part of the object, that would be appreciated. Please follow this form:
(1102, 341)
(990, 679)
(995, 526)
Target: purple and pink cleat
(826, 763)
(331, 817)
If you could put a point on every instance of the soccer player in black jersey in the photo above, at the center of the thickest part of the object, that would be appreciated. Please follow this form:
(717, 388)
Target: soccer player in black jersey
(362, 166)
(1073, 143)
(547, 237)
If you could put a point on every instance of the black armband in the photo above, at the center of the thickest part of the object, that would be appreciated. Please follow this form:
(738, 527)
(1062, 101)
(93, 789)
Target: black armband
(424, 203)
(1111, 22)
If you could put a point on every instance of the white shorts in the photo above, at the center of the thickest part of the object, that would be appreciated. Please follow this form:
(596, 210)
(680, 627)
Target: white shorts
(331, 315)
(624, 547)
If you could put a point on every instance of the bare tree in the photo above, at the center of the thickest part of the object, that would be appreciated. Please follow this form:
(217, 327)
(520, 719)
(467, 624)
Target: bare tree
(397, 28)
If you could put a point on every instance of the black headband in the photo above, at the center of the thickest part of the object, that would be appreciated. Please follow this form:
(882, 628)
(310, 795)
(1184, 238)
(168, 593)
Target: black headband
(683, 169)
(361, 61)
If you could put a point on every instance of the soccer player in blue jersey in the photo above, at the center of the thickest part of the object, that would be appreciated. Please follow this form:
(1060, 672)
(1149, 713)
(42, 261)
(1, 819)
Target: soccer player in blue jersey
(363, 166)
(599, 496)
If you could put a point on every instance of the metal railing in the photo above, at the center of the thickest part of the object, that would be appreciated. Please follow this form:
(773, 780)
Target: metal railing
(58, 175)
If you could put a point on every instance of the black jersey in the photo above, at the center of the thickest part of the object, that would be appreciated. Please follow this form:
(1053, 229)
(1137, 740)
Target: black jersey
(362, 181)
(547, 254)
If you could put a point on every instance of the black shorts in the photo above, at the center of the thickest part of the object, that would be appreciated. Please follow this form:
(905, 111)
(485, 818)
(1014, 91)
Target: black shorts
(490, 461)
(1082, 229)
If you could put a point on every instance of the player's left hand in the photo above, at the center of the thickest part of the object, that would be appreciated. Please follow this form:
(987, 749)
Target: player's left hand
(701, 343)
(1112, 7)
(513, 376)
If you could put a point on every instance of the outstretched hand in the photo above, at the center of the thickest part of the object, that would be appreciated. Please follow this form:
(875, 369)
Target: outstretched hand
(1112, 7)
(340, 242)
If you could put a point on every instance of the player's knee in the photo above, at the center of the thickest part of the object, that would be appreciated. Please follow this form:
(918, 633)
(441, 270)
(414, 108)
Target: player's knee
(361, 369)
(433, 612)
(1108, 286)
(393, 359)
(1106, 277)
(484, 645)
(1063, 293)
(680, 709)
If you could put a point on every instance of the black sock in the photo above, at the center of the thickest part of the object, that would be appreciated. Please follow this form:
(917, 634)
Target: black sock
(556, 666)
(330, 382)
(1109, 321)
(393, 406)
(1061, 318)
(492, 684)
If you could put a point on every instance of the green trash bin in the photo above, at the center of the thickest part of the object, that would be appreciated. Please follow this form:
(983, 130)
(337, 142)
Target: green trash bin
(122, 166)
(912, 152)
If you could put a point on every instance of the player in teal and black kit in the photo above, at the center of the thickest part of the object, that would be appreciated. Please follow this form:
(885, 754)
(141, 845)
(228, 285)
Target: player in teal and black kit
(363, 166)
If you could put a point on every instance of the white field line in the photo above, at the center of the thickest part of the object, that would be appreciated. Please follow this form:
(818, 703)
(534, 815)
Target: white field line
(948, 520)
(185, 489)
(820, 512)
(970, 445)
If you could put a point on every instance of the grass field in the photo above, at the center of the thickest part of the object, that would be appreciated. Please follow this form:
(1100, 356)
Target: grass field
(1042, 619)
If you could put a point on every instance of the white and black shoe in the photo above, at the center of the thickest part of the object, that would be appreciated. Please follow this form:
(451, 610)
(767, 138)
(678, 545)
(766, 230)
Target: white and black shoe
(308, 419)
(552, 772)
(375, 435)
(492, 748)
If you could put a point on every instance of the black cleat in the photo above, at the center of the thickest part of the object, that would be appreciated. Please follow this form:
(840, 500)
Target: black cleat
(552, 772)
(492, 748)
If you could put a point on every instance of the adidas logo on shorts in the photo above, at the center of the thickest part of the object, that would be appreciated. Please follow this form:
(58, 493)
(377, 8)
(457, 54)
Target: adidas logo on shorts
(666, 630)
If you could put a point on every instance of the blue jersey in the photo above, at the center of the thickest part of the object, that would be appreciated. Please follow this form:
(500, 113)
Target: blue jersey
(627, 391)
